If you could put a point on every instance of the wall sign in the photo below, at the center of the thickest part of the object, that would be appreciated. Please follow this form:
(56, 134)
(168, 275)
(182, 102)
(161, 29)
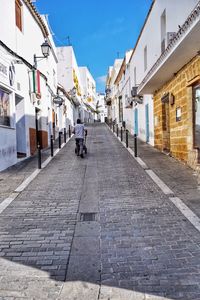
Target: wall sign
(12, 74)
(4, 67)
(7, 72)
(178, 114)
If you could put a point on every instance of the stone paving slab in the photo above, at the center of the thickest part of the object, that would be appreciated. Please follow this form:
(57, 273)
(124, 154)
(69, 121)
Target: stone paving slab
(183, 181)
(12, 177)
(139, 247)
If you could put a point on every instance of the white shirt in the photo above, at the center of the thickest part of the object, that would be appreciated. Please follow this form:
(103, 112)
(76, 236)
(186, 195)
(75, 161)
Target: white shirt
(79, 131)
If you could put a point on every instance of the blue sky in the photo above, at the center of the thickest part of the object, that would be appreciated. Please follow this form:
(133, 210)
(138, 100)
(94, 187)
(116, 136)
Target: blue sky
(99, 30)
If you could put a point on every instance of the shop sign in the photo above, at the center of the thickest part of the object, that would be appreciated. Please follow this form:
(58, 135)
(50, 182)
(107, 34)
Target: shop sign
(178, 114)
(7, 72)
(4, 69)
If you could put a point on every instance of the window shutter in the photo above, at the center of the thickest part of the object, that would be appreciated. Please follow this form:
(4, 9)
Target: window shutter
(18, 14)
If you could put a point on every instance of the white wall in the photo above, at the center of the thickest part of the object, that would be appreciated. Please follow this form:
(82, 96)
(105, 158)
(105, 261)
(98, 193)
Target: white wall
(151, 37)
(7, 148)
(26, 44)
(176, 13)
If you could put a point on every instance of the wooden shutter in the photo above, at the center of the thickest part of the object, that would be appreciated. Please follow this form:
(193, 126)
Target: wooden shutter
(18, 14)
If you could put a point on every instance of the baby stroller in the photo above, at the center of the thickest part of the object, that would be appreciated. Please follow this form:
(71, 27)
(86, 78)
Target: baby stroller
(77, 148)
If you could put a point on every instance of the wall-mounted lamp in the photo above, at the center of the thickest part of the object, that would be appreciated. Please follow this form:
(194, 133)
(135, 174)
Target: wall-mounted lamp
(45, 47)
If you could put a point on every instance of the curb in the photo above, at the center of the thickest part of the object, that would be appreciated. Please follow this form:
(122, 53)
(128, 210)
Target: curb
(6, 202)
(177, 202)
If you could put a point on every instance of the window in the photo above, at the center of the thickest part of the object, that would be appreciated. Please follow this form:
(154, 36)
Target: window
(163, 31)
(145, 58)
(4, 108)
(18, 14)
(120, 109)
(135, 77)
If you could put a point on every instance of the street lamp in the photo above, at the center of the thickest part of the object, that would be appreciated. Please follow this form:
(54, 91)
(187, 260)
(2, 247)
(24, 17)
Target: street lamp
(45, 47)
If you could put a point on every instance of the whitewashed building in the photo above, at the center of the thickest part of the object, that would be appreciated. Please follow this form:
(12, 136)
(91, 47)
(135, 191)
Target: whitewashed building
(122, 85)
(89, 94)
(26, 89)
(111, 90)
(133, 102)
(172, 76)
(101, 108)
(69, 77)
(66, 110)
(159, 27)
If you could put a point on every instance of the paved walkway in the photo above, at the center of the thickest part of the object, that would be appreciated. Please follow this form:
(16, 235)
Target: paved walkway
(12, 177)
(137, 245)
(181, 179)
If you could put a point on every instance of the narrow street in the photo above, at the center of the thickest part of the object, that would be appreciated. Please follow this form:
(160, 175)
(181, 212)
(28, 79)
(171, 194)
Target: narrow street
(97, 228)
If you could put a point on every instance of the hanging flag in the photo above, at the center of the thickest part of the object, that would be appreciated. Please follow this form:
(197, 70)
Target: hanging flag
(36, 83)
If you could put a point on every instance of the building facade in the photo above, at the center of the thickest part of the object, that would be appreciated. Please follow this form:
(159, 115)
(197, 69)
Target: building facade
(173, 79)
(112, 91)
(26, 89)
(101, 108)
(89, 94)
(69, 77)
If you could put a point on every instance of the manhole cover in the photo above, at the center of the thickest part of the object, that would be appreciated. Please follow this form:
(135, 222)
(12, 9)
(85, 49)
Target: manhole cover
(86, 217)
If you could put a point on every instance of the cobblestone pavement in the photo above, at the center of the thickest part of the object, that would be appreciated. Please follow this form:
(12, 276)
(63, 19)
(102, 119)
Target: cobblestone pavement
(138, 246)
(183, 181)
(12, 177)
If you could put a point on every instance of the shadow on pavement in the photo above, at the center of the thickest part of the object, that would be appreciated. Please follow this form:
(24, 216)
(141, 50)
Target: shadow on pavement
(138, 246)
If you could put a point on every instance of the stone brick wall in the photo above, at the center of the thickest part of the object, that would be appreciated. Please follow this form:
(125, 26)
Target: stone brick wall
(181, 131)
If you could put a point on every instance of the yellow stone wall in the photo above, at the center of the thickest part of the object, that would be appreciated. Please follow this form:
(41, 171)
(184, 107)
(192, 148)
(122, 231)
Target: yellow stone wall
(181, 132)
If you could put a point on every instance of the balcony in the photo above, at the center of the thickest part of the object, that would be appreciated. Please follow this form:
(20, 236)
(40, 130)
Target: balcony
(183, 47)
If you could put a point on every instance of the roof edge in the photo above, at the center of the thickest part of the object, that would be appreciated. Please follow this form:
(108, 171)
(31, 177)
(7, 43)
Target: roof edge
(141, 31)
(37, 17)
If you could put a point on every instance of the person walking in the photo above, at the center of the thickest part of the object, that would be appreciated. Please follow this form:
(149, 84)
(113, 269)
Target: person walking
(79, 131)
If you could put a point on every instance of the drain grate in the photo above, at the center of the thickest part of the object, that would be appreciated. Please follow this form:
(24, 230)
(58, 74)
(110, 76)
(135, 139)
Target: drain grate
(87, 217)
(98, 142)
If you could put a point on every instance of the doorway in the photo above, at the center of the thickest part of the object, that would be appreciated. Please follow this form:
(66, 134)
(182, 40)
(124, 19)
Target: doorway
(147, 122)
(37, 117)
(166, 126)
(53, 124)
(197, 117)
(136, 120)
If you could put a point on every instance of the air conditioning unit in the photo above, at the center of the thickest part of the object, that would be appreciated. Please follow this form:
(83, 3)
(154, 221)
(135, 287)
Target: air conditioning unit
(134, 91)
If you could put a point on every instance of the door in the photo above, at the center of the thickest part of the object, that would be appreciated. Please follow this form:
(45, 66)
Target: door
(197, 117)
(147, 122)
(166, 126)
(53, 124)
(37, 125)
(136, 120)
